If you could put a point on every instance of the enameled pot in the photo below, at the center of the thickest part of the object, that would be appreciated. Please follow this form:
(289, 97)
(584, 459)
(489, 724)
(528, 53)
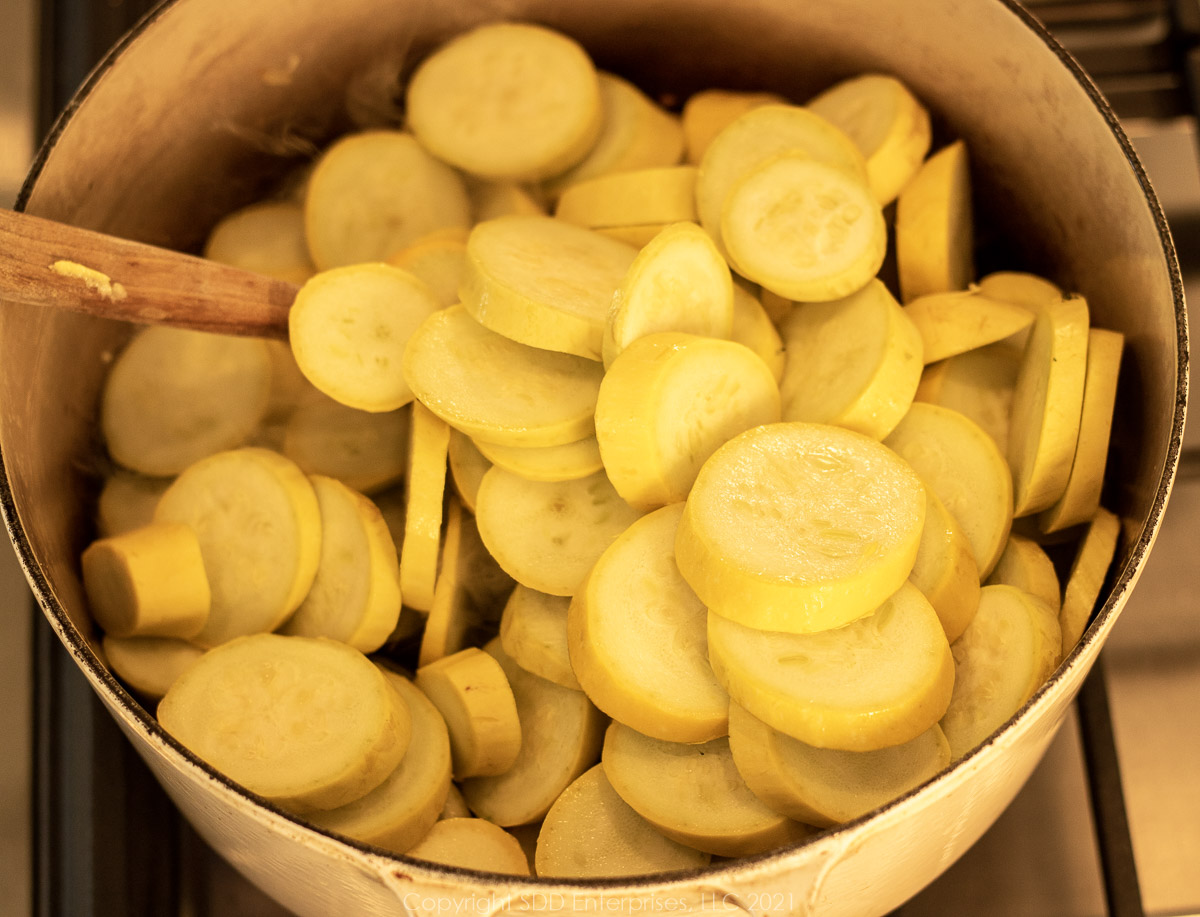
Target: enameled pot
(208, 101)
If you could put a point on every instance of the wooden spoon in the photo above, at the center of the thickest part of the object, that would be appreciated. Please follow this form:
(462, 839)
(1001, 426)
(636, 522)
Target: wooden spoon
(44, 263)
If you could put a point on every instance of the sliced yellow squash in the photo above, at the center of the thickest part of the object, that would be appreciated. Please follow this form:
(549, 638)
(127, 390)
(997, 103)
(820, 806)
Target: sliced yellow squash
(961, 464)
(637, 638)
(800, 527)
(694, 794)
(854, 362)
(507, 100)
(934, 226)
(494, 389)
(877, 682)
(306, 723)
(547, 534)
(591, 832)
(544, 282)
(668, 401)
(825, 786)
(1005, 654)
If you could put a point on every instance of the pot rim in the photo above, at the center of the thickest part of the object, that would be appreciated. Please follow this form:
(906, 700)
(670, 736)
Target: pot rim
(838, 835)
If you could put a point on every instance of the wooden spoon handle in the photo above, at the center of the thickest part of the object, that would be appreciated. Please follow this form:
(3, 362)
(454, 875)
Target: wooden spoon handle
(44, 263)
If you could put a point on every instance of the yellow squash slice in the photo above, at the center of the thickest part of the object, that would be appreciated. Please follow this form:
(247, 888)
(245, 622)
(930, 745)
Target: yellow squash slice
(373, 193)
(709, 111)
(349, 327)
(753, 327)
(473, 696)
(934, 226)
(402, 809)
(149, 665)
(800, 527)
(567, 462)
(1006, 653)
(355, 597)
(638, 638)
(824, 786)
(148, 582)
(803, 229)
(694, 794)
(878, 682)
(472, 843)
(450, 613)
(491, 199)
(638, 133)
(1026, 565)
(259, 526)
(1092, 560)
(423, 504)
(591, 832)
(760, 134)
(533, 632)
(492, 388)
(127, 501)
(978, 384)
(1020, 287)
(507, 101)
(961, 464)
(561, 732)
(307, 723)
(668, 401)
(1047, 404)
(955, 322)
(467, 467)
(456, 806)
(888, 123)
(266, 237)
(1081, 498)
(547, 534)
(439, 260)
(663, 195)
(945, 570)
(678, 282)
(174, 396)
(544, 282)
(365, 450)
(854, 362)
(639, 235)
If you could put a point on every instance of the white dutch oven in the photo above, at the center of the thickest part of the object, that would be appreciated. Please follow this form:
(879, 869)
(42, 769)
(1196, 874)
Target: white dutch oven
(209, 99)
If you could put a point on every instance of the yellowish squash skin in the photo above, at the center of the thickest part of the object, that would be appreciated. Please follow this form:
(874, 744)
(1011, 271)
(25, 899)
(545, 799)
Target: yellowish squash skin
(1090, 566)
(1006, 653)
(1047, 405)
(591, 832)
(308, 723)
(402, 809)
(853, 362)
(737, 544)
(825, 787)
(148, 582)
(945, 570)
(561, 732)
(637, 638)
(877, 682)
(473, 695)
(668, 401)
(962, 465)
(507, 101)
(694, 794)
(935, 229)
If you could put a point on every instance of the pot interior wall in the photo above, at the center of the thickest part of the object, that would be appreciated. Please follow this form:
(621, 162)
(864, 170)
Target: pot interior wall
(217, 99)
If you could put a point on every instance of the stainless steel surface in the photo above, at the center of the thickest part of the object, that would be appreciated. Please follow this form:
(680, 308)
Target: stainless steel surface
(1040, 858)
